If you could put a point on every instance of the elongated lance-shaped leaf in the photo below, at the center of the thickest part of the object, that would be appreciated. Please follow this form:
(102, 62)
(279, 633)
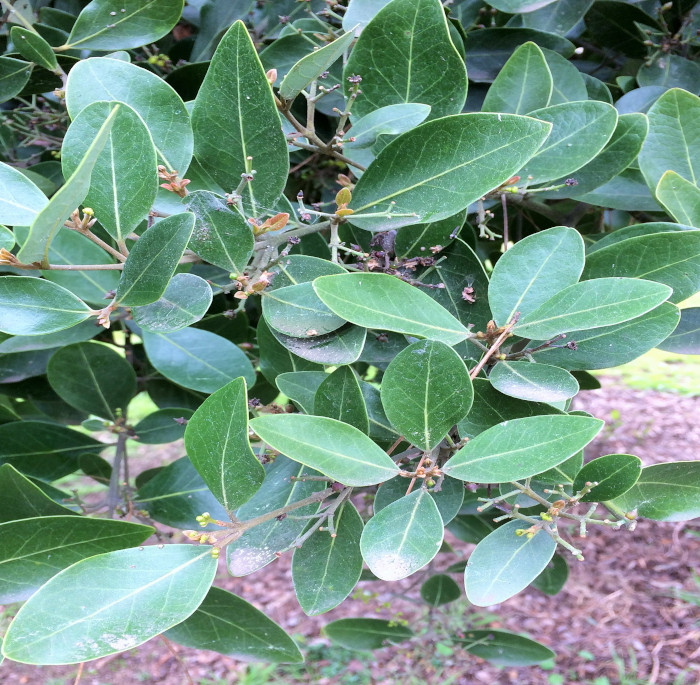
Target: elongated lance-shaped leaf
(680, 198)
(20, 199)
(66, 199)
(528, 273)
(153, 260)
(501, 647)
(410, 39)
(505, 563)
(339, 396)
(522, 448)
(367, 633)
(150, 590)
(440, 167)
(403, 537)
(312, 66)
(33, 306)
(104, 25)
(33, 550)
(236, 124)
(124, 179)
(34, 48)
(426, 390)
(216, 439)
(336, 449)
(591, 304)
(387, 303)
(524, 83)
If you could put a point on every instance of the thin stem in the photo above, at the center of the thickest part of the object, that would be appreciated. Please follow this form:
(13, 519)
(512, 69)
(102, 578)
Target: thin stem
(180, 660)
(475, 371)
(424, 456)
(119, 457)
(274, 240)
(504, 206)
(98, 241)
(17, 15)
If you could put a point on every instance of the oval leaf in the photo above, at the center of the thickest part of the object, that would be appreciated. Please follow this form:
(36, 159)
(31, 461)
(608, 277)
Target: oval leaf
(366, 633)
(505, 649)
(20, 199)
(440, 589)
(614, 473)
(533, 382)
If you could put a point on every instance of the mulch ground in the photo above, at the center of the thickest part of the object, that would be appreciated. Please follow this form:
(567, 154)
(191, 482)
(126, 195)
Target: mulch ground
(621, 600)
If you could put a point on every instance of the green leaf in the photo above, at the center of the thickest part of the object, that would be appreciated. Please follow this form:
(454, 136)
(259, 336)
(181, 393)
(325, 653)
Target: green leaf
(336, 449)
(214, 19)
(603, 348)
(387, 303)
(216, 439)
(235, 102)
(552, 580)
(297, 269)
(669, 71)
(448, 498)
(521, 448)
(229, 625)
(160, 107)
(366, 633)
(505, 649)
(197, 359)
(41, 450)
(22, 499)
(32, 306)
(93, 378)
(50, 219)
(680, 198)
(440, 589)
(672, 142)
(340, 397)
(419, 63)
(176, 495)
(389, 120)
(524, 83)
(634, 231)
(276, 359)
(163, 426)
(33, 550)
(221, 235)
(102, 25)
(282, 486)
(425, 391)
(403, 537)
(685, 338)
(471, 528)
(526, 275)
(124, 179)
(580, 130)
(569, 85)
(503, 563)
(301, 387)
(14, 76)
(559, 17)
(325, 569)
(415, 240)
(153, 260)
(166, 584)
(33, 48)
(517, 6)
(533, 382)
(627, 191)
(360, 12)
(592, 304)
(616, 25)
(185, 301)
(440, 167)
(309, 68)
(669, 258)
(614, 473)
(665, 492)
(380, 430)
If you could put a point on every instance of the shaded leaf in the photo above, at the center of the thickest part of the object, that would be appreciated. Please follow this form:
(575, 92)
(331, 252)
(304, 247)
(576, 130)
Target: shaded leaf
(440, 589)
(301, 387)
(685, 338)
(552, 580)
(366, 633)
(14, 76)
(505, 649)
(448, 498)
(614, 473)
(339, 397)
(33, 47)
(163, 426)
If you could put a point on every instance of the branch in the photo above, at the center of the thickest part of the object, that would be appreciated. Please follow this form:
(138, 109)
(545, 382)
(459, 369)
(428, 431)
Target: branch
(506, 332)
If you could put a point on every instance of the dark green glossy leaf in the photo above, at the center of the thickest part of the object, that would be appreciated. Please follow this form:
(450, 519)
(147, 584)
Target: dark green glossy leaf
(216, 439)
(521, 448)
(528, 273)
(471, 528)
(336, 449)
(416, 240)
(22, 365)
(533, 382)
(33, 48)
(301, 387)
(36, 549)
(124, 179)
(14, 75)
(670, 71)
(235, 100)
(614, 473)
(93, 378)
(589, 304)
(426, 390)
(387, 303)
(366, 633)
(276, 359)
(440, 167)
(197, 359)
(685, 338)
(326, 569)
(665, 492)
(380, 430)
(399, 38)
(680, 198)
(554, 577)
(505, 563)
(185, 301)
(524, 83)
(214, 19)
(559, 17)
(168, 584)
(448, 498)
(229, 625)
(403, 537)
(339, 396)
(614, 23)
(163, 426)
(440, 589)
(505, 649)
